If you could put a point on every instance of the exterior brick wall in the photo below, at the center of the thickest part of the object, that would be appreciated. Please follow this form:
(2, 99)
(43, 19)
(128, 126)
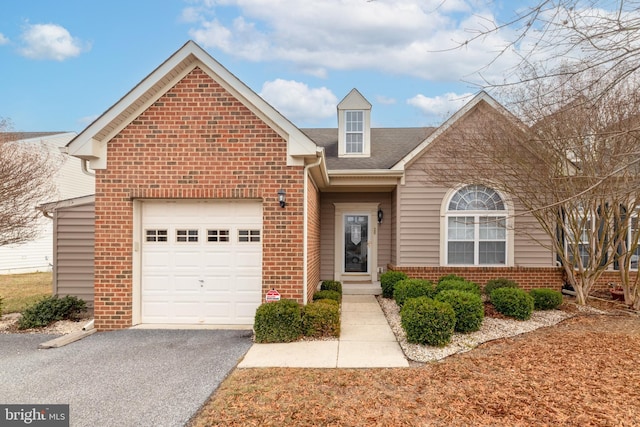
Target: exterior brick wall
(313, 238)
(527, 277)
(196, 142)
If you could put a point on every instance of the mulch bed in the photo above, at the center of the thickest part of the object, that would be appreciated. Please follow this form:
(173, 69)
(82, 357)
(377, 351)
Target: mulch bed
(582, 372)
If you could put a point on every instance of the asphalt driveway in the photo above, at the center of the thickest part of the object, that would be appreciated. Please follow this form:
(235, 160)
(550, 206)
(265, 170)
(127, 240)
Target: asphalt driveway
(127, 378)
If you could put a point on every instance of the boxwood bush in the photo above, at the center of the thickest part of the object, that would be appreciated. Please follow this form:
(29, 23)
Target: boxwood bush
(546, 299)
(427, 321)
(468, 307)
(512, 302)
(451, 277)
(321, 319)
(388, 281)
(412, 288)
(327, 301)
(331, 285)
(500, 282)
(458, 285)
(334, 295)
(279, 321)
(51, 309)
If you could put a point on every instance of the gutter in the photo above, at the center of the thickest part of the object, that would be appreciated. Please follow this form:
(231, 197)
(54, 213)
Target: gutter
(305, 232)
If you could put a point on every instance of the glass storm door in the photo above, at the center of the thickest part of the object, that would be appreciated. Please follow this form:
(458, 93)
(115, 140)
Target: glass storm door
(356, 243)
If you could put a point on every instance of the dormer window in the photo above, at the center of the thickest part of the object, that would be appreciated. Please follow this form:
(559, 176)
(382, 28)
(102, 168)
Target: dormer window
(354, 127)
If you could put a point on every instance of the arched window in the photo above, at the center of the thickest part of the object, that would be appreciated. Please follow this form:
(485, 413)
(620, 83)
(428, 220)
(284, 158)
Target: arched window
(476, 227)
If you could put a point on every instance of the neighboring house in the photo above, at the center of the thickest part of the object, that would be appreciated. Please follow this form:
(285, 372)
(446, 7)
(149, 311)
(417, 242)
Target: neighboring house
(207, 198)
(37, 255)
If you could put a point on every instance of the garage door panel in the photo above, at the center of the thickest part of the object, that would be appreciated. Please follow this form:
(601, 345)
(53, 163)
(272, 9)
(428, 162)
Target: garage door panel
(156, 283)
(172, 268)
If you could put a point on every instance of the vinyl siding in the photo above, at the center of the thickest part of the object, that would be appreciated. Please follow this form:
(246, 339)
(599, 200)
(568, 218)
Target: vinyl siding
(327, 225)
(419, 223)
(74, 251)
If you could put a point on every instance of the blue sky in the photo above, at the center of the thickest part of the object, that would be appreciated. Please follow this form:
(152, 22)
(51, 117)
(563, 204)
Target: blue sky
(63, 63)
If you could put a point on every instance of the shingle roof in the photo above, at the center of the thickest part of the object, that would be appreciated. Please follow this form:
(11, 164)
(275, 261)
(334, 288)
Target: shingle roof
(19, 136)
(388, 146)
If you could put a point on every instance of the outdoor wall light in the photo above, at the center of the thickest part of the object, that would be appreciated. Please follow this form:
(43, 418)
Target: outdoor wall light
(380, 215)
(282, 198)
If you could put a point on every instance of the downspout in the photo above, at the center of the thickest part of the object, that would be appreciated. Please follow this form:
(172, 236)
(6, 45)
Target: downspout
(305, 228)
(85, 170)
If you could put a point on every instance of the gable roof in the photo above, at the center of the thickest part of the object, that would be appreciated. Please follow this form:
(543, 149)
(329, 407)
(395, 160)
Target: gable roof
(388, 146)
(90, 144)
(479, 98)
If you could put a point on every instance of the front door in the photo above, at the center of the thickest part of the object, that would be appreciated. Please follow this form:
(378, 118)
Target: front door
(356, 243)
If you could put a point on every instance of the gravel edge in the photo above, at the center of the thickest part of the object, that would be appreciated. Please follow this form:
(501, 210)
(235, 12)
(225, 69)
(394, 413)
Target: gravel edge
(491, 329)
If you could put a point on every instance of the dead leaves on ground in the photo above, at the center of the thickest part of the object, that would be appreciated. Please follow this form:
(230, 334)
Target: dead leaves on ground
(582, 372)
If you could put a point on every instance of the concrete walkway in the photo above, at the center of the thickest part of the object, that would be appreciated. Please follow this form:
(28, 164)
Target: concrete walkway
(366, 341)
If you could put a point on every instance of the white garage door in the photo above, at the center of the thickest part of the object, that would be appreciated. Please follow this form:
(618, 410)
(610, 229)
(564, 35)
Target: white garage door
(201, 262)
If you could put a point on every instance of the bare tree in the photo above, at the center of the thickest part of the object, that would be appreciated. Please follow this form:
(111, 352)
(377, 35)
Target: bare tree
(559, 40)
(575, 169)
(26, 179)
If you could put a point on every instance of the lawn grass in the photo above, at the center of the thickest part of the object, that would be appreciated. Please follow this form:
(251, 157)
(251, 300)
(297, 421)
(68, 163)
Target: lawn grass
(19, 291)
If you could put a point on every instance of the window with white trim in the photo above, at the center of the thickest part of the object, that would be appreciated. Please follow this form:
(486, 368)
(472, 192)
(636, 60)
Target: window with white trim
(586, 229)
(354, 128)
(187, 236)
(633, 230)
(156, 235)
(217, 236)
(476, 227)
(247, 236)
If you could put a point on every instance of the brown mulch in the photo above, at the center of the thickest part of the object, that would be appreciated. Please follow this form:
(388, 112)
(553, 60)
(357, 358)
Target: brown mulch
(582, 372)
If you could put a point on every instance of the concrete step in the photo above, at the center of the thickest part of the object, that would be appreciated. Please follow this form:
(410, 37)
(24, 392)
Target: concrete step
(360, 288)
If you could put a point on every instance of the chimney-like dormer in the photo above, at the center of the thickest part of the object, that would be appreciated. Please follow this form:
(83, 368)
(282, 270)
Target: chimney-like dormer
(354, 126)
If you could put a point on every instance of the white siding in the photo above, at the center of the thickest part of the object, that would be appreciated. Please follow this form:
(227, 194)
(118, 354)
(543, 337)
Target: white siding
(37, 255)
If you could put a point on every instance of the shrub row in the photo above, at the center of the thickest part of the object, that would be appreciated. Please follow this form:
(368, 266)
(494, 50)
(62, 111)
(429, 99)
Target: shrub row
(51, 309)
(287, 321)
(426, 321)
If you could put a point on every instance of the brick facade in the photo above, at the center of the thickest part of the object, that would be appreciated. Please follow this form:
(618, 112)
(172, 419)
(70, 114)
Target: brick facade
(527, 277)
(196, 142)
(313, 239)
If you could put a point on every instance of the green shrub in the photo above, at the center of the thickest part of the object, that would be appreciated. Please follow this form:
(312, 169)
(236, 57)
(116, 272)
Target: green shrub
(51, 309)
(331, 285)
(327, 301)
(458, 285)
(468, 307)
(500, 282)
(412, 288)
(427, 321)
(388, 281)
(546, 299)
(279, 321)
(334, 295)
(321, 320)
(512, 302)
(451, 277)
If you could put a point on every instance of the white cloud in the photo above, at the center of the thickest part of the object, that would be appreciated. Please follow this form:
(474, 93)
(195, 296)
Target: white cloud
(298, 102)
(439, 106)
(87, 120)
(50, 41)
(3, 39)
(400, 37)
(385, 100)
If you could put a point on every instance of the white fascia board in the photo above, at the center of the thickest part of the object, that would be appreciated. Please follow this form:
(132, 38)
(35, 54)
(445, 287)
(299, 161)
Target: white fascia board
(366, 173)
(77, 201)
(482, 96)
